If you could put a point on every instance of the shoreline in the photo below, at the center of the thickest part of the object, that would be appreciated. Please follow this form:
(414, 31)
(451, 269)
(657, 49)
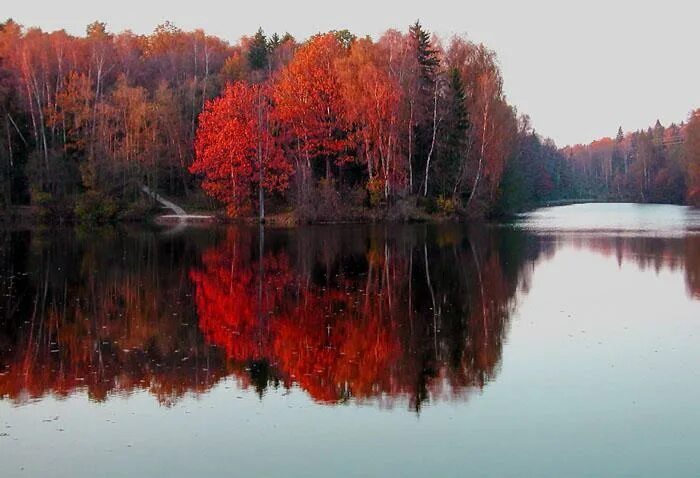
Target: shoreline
(30, 216)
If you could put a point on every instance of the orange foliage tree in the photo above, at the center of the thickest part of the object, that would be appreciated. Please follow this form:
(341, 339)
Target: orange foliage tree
(310, 107)
(233, 298)
(372, 105)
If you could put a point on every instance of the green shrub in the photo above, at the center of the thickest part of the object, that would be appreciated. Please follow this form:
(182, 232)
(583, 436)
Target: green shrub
(94, 207)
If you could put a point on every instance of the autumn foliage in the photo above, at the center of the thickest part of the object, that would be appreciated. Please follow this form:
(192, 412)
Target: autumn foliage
(372, 102)
(656, 165)
(354, 123)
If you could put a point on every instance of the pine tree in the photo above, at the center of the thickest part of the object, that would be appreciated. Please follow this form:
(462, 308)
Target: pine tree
(619, 167)
(458, 105)
(345, 37)
(258, 51)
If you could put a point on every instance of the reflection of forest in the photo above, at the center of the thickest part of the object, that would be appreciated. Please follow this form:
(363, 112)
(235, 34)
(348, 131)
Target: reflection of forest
(378, 314)
(364, 313)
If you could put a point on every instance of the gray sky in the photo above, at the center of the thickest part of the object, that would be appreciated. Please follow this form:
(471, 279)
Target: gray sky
(579, 69)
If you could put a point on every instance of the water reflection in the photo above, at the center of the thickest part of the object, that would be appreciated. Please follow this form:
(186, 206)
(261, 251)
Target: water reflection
(359, 313)
(380, 315)
(649, 253)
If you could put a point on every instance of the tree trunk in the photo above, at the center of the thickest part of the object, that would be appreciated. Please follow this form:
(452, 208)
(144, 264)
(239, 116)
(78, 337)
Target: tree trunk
(432, 143)
(410, 149)
(481, 154)
(261, 192)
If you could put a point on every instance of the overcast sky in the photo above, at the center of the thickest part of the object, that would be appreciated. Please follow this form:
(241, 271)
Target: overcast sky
(579, 69)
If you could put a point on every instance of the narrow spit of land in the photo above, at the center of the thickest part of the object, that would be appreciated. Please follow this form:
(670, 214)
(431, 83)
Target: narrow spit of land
(179, 213)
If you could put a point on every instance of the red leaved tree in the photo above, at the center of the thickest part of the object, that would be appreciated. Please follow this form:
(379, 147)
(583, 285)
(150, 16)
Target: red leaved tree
(236, 151)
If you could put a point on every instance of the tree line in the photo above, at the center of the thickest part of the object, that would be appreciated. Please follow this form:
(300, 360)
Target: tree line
(332, 128)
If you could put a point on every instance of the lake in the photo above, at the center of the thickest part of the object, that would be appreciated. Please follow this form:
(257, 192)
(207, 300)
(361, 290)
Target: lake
(562, 344)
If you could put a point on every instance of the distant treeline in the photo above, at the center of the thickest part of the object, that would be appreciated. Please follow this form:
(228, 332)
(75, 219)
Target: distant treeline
(332, 128)
(659, 165)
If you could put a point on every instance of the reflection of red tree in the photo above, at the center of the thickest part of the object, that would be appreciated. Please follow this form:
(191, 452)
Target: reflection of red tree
(115, 340)
(232, 300)
(331, 341)
(491, 308)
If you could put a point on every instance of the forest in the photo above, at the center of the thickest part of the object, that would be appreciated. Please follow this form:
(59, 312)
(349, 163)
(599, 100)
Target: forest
(337, 127)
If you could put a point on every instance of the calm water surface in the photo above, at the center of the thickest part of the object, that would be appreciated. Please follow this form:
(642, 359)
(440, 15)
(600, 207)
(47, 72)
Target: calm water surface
(563, 345)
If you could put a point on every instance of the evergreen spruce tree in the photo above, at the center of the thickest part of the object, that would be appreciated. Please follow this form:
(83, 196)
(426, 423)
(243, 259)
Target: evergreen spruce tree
(455, 134)
(345, 37)
(274, 42)
(258, 51)
(426, 55)
(658, 133)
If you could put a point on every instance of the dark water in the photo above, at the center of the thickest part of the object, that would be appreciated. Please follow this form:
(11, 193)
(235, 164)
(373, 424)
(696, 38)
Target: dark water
(559, 346)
